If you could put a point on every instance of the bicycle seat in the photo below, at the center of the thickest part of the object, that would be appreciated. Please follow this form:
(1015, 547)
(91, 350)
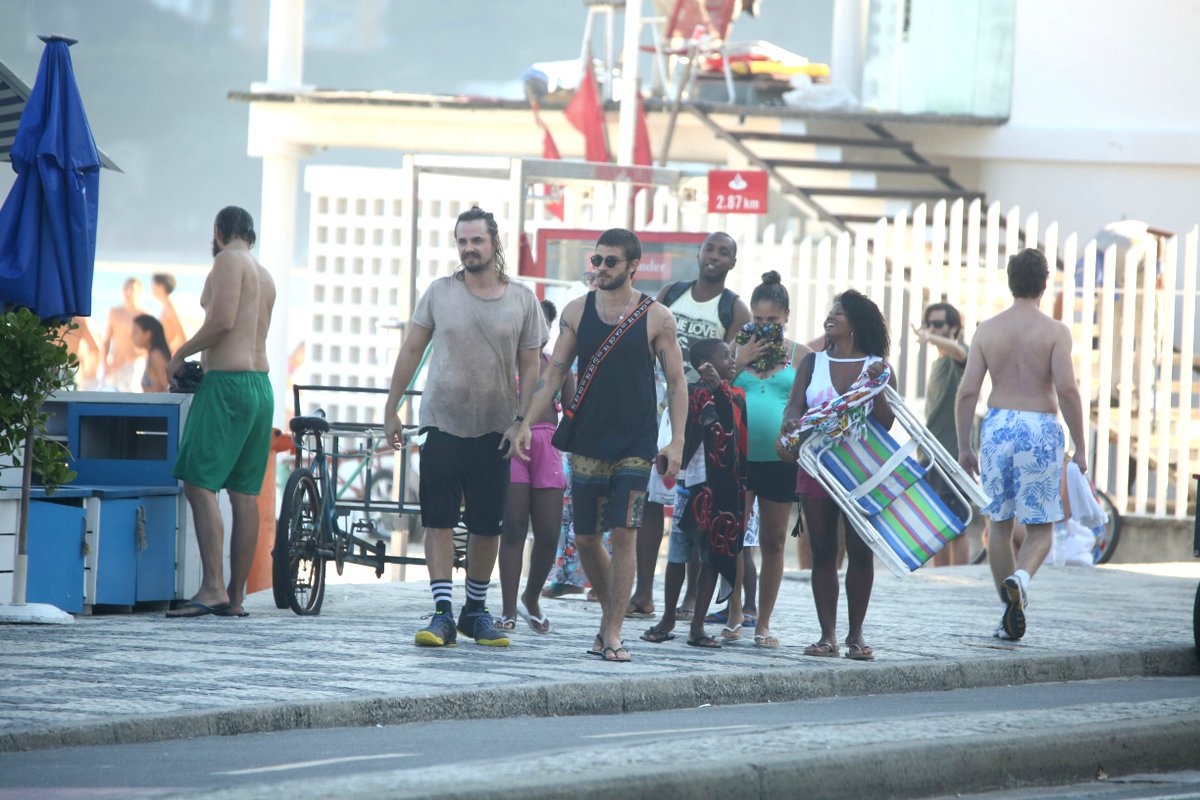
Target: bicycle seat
(309, 423)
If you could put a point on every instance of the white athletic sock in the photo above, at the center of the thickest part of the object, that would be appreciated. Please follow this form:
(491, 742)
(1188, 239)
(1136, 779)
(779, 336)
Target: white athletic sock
(1023, 578)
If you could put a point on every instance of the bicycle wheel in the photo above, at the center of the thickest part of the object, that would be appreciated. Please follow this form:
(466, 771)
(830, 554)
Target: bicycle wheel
(298, 563)
(1109, 534)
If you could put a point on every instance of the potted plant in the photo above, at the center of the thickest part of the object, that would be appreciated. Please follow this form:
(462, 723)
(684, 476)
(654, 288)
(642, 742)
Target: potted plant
(34, 363)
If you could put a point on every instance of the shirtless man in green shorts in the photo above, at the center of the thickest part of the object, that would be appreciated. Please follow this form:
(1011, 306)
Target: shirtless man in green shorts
(228, 433)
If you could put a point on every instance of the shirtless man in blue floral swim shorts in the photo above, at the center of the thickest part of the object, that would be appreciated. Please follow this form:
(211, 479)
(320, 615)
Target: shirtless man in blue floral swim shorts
(1028, 355)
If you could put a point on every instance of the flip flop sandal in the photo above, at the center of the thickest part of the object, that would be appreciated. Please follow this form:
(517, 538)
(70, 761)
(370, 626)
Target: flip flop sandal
(637, 613)
(614, 650)
(765, 640)
(821, 650)
(656, 635)
(707, 642)
(540, 624)
(730, 633)
(684, 614)
(506, 624)
(192, 609)
(860, 652)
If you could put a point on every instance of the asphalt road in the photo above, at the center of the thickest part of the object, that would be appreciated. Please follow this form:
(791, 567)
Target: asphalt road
(202, 765)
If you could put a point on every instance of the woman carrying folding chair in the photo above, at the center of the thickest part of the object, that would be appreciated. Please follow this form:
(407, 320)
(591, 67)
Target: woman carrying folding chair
(856, 341)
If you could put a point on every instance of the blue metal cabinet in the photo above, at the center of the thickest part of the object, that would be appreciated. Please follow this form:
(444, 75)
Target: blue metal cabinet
(56, 559)
(130, 444)
(132, 550)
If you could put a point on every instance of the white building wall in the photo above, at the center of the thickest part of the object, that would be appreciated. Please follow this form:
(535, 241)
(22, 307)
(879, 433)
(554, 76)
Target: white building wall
(1105, 119)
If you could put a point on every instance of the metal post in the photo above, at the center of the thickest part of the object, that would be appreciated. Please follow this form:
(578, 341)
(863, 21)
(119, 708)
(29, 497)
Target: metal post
(21, 567)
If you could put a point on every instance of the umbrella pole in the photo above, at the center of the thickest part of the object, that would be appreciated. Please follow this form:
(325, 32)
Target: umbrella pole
(20, 567)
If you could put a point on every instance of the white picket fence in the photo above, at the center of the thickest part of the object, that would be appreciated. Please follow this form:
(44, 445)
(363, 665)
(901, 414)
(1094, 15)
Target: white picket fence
(1144, 448)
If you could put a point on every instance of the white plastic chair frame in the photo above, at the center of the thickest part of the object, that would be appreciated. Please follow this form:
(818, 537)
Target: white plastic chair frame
(966, 489)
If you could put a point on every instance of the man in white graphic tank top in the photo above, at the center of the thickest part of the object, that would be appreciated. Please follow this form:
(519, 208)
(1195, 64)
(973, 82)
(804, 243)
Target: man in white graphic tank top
(697, 317)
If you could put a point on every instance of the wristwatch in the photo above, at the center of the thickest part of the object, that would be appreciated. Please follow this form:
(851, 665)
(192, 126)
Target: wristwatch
(519, 418)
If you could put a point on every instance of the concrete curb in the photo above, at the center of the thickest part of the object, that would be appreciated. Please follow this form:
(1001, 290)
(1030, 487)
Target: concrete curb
(617, 696)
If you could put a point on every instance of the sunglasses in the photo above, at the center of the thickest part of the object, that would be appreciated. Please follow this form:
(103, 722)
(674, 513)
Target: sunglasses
(936, 324)
(608, 261)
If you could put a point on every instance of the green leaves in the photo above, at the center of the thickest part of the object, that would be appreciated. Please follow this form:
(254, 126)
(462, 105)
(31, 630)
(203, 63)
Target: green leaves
(34, 363)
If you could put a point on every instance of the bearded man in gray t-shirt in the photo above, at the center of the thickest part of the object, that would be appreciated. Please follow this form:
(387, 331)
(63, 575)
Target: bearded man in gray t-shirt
(485, 330)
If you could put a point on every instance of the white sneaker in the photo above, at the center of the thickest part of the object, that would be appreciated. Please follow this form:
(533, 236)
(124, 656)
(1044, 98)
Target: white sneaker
(1013, 621)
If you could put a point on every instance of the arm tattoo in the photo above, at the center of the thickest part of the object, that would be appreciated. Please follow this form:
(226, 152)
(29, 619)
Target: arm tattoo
(561, 367)
(563, 325)
(662, 359)
(541, 384)
(668, 324)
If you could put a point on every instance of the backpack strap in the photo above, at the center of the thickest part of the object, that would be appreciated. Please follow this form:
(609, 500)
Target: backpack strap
(725, 308)
(675, 291)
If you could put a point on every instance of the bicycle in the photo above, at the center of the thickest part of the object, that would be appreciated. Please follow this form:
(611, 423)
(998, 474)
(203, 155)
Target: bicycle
(309, 532)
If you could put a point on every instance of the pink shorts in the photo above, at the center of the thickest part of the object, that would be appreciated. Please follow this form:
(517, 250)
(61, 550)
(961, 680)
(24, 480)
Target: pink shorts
(808, 486)
(544, 469)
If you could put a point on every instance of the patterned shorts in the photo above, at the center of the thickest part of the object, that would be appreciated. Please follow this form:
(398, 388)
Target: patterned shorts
(608, 494)
(1021, 460)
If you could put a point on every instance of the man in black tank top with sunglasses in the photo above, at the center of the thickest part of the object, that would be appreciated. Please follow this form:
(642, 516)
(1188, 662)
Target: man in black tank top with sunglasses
(610, 427)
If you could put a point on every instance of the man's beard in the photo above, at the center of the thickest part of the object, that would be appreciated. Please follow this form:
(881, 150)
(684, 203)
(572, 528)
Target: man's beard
(477, 267)
(612, 282)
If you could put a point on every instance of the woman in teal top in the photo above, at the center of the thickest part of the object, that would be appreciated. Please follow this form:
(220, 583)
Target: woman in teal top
(766, 361)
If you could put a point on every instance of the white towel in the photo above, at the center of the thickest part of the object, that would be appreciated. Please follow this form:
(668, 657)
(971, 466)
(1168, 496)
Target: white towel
(1084, 507)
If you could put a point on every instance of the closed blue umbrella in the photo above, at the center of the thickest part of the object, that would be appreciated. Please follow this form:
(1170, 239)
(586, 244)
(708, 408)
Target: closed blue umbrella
(48, 221)
(48, 231)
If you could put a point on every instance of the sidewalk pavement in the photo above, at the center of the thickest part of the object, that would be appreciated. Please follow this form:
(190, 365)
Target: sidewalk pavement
(142, 677)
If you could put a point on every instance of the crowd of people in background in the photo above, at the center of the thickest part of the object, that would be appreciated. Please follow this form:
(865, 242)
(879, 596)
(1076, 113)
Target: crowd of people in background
(135, 346)
(678, 401)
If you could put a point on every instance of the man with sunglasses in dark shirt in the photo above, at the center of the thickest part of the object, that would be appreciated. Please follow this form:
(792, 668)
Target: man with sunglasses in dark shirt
(609, 427)
(942, 328)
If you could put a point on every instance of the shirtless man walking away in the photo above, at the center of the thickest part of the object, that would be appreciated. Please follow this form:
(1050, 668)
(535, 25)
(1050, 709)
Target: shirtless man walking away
(118, 364)
(228, 434)
(1021, 445)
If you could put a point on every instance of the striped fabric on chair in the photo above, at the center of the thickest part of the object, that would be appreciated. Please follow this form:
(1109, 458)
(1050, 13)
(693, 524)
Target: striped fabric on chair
(912, 521)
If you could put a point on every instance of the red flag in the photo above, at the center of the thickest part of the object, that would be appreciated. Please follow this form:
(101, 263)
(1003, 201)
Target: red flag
(585, 113)
(555, 205)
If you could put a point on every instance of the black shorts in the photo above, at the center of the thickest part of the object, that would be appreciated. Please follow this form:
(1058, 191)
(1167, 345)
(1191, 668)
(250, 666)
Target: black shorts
(772, 480)
(456, 470)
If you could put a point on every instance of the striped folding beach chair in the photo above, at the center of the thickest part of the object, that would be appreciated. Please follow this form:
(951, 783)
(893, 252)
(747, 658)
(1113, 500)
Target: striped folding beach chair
(882, 489)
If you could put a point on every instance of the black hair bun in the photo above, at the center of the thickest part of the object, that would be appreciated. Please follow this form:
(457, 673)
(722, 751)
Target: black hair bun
(771, 277)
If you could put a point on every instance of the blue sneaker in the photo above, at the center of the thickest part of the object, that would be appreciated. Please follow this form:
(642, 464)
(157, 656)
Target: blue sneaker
(480, 626)
(439, 632)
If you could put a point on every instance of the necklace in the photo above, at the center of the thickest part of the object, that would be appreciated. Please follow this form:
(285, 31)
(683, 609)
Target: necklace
(624, 310)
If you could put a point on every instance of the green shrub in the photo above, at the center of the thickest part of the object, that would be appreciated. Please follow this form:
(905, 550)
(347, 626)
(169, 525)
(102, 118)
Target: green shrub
(34, 363)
